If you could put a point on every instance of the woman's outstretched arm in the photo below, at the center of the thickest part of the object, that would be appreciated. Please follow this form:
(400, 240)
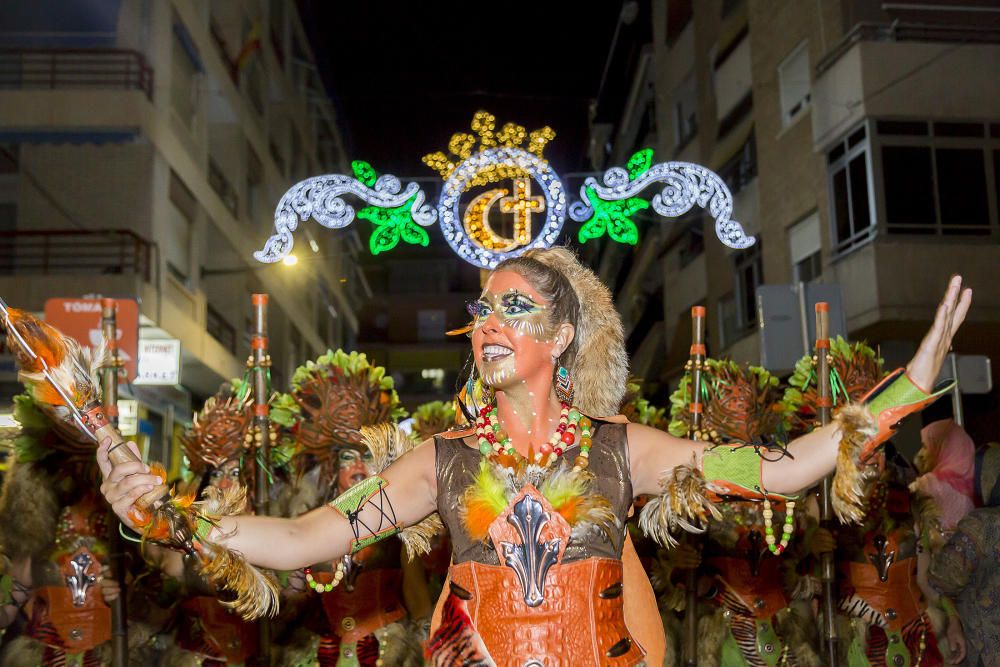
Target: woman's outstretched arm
(409, 494)
(814, 455)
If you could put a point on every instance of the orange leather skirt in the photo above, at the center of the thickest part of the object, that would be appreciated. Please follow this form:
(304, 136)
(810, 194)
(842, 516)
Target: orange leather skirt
(580, 621)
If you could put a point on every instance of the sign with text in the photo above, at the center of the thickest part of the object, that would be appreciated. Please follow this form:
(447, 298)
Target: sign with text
(159, 361)
(81, 319)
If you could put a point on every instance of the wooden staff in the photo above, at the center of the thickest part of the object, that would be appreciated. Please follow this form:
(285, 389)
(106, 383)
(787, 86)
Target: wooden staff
(824, 405)
(260, 364)
(109, 395)
(697, 365)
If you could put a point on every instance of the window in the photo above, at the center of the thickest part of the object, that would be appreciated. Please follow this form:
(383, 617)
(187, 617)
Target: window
(185, 68)
(430, 324)
(738, 309)
(692, 243)
(175, 243)
(255, 181)
(685, 112)
(732, 78)
(854, 223)
(805, 250)
(741, 169)
(793, 81)
(934, 177)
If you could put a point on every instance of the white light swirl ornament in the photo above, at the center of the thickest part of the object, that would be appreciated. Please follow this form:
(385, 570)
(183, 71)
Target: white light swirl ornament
(321, 198)
(685, 184)
(458, 182)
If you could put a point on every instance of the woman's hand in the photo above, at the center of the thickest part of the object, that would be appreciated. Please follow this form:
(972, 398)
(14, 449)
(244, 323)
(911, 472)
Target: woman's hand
(956, 641)
(109, 585)
(923, 369)
(124, 483)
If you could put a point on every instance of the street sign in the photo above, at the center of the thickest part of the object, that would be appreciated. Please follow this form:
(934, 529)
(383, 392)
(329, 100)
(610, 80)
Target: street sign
(787, 324)
(159, 361)
(975, 374)
(128, 417)
(81, 320)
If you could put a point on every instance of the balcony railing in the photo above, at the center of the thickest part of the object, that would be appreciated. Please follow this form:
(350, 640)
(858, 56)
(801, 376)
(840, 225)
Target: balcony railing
(908, 32)
(100, 252)
(75, 68)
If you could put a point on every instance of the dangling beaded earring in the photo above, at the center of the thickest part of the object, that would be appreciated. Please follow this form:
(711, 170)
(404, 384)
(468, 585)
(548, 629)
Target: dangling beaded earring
(564, 386)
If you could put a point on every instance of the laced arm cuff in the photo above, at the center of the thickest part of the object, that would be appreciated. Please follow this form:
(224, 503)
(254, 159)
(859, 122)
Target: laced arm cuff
(353, 502)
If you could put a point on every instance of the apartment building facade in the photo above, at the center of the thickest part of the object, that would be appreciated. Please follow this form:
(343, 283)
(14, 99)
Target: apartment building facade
(144, 148)
(861, 141)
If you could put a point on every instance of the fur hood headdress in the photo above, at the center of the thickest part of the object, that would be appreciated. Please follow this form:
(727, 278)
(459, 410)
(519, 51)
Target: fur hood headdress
(600, 367)
(220, 429)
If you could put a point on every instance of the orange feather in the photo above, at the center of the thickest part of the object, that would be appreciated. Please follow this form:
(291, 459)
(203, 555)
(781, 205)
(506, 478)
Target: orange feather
(478, 517)
(44, 339)
(568, 510)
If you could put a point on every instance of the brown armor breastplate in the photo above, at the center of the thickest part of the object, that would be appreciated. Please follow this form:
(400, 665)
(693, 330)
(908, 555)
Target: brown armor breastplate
(373, 603)
(209, 628)
(762, 594)
(76, 612)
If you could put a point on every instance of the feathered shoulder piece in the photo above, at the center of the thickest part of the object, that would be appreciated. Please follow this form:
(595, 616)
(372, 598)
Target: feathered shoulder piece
(220, 429)
(854, 369)
(338, 394)
(741, 403)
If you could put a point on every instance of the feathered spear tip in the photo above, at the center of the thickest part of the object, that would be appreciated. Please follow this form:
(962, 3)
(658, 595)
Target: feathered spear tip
(56, 370)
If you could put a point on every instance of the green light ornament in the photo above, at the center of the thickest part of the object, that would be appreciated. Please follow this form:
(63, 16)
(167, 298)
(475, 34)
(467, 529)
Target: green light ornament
(391, 225)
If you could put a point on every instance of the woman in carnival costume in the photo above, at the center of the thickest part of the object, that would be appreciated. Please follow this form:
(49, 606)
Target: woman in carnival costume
(536, 495)
(366, 596)
(751, 556)
(55, 535)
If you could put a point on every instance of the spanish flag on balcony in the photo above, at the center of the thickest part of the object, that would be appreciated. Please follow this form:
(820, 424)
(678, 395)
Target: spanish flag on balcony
(250, 46)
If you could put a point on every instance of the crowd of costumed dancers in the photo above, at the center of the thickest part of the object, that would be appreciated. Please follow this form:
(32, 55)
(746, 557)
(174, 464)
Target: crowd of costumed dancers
(750, 568)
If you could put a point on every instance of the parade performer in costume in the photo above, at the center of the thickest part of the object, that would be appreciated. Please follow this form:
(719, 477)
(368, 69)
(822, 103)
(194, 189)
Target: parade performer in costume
(366, 596)
(54, 529)
(536, 496)
(967, 568)
(754, 622)
(216, 447)
(879, 574)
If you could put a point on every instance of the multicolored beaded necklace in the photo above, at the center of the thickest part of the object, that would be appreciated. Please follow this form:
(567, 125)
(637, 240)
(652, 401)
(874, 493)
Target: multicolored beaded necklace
(321, 587)
(775, 547)
(495, 444)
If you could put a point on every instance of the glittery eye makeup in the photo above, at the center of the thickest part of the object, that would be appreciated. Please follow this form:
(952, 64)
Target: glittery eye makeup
(514, 309)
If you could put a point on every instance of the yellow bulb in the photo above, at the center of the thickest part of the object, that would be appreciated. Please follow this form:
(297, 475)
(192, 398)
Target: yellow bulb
(290, 260)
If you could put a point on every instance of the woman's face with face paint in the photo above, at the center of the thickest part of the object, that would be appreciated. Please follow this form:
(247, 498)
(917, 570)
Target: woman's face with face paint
(511, 337)
(226, 475)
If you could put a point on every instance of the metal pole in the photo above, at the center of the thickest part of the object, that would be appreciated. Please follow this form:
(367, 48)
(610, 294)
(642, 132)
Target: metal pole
(824, 405)
(956, 392)
(697, 364)
(260, 364)
(109, 386)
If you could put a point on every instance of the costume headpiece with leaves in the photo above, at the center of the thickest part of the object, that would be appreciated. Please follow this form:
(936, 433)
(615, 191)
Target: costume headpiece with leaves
(219, 430)
(742, 403)
(639, 410)
(336, 395)
(854, 369)
(432, 418)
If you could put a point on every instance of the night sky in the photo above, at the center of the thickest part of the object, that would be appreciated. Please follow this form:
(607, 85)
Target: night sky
(405, 76)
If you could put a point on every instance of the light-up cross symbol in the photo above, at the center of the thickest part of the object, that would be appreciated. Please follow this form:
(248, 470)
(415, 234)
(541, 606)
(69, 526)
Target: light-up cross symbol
(522, 205)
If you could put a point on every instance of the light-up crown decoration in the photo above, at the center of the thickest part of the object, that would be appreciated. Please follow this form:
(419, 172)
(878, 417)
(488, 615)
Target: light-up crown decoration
(500, 222)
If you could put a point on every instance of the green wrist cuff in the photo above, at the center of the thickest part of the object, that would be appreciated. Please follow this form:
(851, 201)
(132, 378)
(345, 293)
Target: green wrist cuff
(898, 390)
(734, 470)
(202, 528)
